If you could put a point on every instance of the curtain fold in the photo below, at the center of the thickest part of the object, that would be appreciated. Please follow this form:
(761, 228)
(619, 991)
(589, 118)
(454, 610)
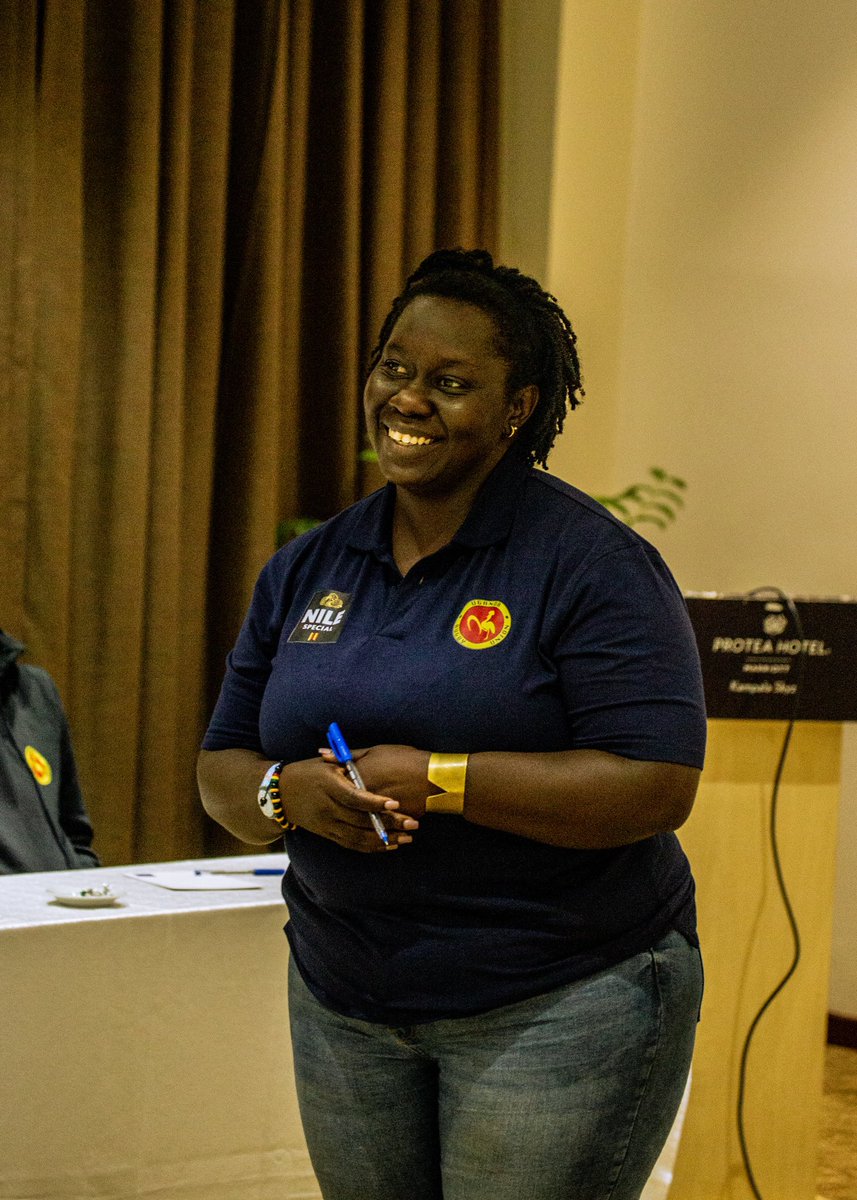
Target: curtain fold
(205, 209)
(19, 40)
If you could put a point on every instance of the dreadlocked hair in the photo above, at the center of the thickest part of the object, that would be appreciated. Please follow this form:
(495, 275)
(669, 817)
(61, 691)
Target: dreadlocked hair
(534, 335)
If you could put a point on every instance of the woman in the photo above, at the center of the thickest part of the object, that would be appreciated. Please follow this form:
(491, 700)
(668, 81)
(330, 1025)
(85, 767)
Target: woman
(506, 1005)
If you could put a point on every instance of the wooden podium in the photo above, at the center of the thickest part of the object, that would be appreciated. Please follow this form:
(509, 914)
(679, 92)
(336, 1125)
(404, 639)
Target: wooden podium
(747, 948)
(747, 943)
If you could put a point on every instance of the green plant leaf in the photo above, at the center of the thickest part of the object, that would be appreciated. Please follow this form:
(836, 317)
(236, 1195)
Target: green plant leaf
(293, 527)
(658, 506)
(647, 502)
(647, 519)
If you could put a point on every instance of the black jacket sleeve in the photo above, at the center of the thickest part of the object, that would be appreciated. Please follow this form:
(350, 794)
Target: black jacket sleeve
(73, 817)
(44, 825)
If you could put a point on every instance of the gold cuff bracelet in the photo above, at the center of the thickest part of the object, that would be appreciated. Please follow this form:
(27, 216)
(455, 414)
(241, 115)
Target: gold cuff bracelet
(449, 772)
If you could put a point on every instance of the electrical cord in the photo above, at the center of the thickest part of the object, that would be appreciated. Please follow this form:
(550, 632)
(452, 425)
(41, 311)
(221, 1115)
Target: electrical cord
(759, 593)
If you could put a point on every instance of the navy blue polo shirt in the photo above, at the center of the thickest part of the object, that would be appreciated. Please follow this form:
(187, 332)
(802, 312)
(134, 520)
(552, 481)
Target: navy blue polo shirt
(544, 625)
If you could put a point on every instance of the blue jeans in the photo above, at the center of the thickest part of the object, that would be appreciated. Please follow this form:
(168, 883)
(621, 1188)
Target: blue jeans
(567, 1096)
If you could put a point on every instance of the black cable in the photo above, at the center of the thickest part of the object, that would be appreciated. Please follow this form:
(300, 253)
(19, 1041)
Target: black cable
(775, 854)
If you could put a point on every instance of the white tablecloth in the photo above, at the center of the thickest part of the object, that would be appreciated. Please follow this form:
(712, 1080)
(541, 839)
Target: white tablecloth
(145, 1047)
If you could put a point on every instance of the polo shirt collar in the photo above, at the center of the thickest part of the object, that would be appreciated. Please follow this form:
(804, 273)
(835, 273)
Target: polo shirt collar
(488, 521)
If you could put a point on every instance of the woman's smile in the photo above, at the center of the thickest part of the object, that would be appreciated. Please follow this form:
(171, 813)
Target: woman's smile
(401, 438)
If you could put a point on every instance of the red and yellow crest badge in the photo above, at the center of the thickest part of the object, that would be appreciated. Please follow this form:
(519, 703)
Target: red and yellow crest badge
(482, 623)
(39, 765)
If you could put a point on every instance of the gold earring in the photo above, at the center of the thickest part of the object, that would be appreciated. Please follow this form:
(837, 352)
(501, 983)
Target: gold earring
(513, 429)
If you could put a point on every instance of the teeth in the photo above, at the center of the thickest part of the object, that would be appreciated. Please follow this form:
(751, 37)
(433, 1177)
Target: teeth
(408, 439)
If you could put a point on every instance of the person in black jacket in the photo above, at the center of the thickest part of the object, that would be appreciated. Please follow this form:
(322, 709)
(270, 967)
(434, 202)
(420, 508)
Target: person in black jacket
(44, 825)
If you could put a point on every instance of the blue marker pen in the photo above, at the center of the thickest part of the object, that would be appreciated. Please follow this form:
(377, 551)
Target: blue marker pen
(343, 756)
(255, 871)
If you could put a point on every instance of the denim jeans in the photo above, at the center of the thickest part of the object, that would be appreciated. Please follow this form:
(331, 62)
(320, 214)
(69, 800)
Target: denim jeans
(567, 1096)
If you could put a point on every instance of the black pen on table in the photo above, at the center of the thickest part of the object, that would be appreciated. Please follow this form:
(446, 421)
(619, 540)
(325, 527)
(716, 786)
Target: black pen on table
(343, 756)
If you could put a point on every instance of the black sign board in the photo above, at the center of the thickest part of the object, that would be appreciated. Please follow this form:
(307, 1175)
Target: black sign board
(758, 663)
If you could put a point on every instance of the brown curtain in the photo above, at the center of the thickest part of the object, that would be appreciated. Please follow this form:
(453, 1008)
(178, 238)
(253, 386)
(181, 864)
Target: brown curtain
(205, 209)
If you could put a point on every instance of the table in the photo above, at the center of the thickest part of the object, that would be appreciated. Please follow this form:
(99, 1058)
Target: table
(145, 1047)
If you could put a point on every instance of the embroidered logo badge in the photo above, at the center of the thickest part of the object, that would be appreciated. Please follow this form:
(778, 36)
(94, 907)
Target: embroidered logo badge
(39, 765)
(482, 623)
(323, 618)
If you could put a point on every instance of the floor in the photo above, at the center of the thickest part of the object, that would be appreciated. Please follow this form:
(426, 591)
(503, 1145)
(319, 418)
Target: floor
(837, 1169)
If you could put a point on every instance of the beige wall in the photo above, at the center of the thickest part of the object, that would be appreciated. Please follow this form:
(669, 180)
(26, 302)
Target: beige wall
(702, 234)
(529, 46)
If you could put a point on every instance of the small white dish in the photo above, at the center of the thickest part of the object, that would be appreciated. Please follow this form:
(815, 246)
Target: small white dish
(91, 897)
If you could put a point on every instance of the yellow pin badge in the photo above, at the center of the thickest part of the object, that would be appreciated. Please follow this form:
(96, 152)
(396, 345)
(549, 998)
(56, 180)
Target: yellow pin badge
(481, 624)
(39, 765)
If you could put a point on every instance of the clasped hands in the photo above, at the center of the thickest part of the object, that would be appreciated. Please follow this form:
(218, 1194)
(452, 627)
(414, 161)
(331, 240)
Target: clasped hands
(319, 796)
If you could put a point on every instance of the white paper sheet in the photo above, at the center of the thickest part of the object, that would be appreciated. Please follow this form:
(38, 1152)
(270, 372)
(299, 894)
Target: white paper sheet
(193, 881)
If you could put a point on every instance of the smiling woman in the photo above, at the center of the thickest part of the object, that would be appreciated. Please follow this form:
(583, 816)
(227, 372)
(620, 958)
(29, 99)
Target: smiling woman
(516, 967)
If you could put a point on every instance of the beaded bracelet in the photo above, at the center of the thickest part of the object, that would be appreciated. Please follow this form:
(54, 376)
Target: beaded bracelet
(270, 800)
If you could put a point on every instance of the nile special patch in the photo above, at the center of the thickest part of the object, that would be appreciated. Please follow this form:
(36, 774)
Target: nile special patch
(482, 623)
(323, 619)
